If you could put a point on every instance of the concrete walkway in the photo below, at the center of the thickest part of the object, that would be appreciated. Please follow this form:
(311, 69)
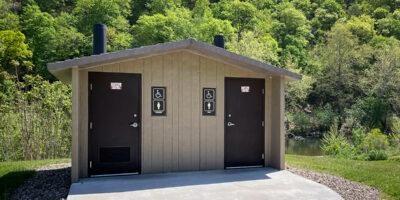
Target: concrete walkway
(252, 184)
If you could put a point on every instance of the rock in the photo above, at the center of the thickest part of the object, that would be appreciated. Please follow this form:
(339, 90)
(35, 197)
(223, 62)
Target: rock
(349, 190)
(49, 183)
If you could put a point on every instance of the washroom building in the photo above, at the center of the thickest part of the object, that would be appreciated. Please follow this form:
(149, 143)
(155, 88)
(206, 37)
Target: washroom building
(176, 106)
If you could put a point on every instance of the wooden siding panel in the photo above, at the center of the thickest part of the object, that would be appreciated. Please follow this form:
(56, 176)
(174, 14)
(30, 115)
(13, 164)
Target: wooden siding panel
(220, 116)
(185, 116)
(157, 134)
(83, 119)
(168, 121)
(184, 139)
(146, 118)
(203, 123)
(175, 98)
(196, 111)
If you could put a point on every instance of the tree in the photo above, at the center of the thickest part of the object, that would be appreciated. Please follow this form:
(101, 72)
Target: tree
(242, 14)
(341, 60)
(390, 25)
(259, 47)
(9, 20)
(50, 38)
(362, 27)
(55, 7)
(382, 80)
(292, 31)
(177, 24)
(14, 53)
(109, 12)
(325, 17)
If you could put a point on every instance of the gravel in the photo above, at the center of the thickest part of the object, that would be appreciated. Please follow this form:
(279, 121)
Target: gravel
(52, 182)
(49, 183)
(349, 190)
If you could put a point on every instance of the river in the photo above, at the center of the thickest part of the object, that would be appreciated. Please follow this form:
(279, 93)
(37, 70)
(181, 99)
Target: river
(307, 146)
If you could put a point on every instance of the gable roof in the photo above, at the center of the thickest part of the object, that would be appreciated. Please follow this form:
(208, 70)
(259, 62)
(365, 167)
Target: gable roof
(62, 69)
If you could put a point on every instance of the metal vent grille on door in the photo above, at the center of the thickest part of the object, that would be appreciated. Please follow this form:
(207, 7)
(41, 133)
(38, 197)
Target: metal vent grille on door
(114, 154)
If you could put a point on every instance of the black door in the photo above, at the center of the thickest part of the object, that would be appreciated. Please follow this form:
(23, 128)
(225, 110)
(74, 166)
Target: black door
(114, 123)
(244, 122)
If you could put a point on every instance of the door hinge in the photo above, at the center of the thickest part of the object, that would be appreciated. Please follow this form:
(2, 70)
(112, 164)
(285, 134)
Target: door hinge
(91, 87)
(262, 156)
(262, 91)
(262, 124)
(90, 164)
(90, 125)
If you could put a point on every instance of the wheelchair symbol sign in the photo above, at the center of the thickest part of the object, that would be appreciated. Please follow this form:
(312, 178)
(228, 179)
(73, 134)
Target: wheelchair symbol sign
(158, 101)
(209, 101)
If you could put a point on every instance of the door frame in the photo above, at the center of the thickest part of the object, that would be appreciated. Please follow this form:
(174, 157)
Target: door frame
(263, 117)
(140, 124)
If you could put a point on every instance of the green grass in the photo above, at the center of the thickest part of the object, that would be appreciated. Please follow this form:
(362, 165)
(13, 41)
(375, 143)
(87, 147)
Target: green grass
(383, 175)
(13, 174)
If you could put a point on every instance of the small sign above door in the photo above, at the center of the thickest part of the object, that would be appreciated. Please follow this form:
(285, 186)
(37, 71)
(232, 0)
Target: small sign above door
(245, 89)
(159, 99)
(116, 86)
(209, 101)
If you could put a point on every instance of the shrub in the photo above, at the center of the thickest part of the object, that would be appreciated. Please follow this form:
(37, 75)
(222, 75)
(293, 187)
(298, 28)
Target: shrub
(299, 122)
(358, 136)
(395, 158)
(395, 124)
(324, 117)
(375, 140)
(334, 143)
(372, 112)
(35, 119)
(377, 155)
(349, 125)
(394, 140)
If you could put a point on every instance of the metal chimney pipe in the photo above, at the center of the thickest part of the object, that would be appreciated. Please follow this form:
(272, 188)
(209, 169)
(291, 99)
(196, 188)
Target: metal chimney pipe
(219, 41)
(99, 39)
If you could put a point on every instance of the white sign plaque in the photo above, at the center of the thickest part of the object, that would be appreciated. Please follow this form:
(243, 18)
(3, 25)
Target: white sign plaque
(245, 89)
(116, 86)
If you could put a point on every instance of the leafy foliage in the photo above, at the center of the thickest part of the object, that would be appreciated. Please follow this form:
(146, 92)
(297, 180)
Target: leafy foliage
(348, 52)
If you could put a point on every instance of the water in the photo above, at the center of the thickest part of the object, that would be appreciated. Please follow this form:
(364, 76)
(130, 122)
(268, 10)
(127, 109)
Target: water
(307, 147)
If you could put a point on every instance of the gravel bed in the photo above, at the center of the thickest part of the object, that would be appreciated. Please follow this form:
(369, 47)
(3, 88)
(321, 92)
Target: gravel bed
(49, 183)
(349, 190)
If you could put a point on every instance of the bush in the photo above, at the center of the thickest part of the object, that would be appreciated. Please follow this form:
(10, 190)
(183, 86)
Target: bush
(395, 124)
(323, 118)
(375, 140)
(358, 136)
(299, 122)
(377, 155)
(334, 143)
(395, 158)
(371, 112)
(35, 119)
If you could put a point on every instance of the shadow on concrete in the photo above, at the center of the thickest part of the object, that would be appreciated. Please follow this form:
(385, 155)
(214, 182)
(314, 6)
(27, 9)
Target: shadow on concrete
(166, 180)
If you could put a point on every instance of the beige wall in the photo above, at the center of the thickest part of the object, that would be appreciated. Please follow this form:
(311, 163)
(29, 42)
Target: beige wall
(184, 139)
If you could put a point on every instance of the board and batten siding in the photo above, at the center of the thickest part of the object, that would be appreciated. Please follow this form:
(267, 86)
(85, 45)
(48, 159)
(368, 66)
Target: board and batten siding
(184, 139)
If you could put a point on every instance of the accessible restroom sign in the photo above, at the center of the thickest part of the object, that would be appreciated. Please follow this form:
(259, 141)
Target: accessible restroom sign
(209, 101)
(158, 101)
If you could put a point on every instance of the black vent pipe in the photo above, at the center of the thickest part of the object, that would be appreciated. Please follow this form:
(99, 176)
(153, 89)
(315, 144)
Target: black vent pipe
(99, 39)
(219, 41)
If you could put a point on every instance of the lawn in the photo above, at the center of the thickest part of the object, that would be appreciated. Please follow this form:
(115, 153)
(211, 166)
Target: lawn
(12, 174)
(383, 175)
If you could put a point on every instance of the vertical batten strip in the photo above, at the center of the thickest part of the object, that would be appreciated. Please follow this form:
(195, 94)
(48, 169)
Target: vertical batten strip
(75, 125)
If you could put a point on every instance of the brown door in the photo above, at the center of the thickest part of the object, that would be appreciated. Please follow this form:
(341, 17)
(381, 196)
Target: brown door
(244, 122)
(114, 123)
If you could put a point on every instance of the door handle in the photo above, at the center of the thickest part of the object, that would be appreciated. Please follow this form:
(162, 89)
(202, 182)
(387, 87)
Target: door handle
(230, 124)
(134, 125)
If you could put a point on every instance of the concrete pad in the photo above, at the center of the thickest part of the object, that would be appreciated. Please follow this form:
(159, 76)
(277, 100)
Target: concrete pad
(253, 184)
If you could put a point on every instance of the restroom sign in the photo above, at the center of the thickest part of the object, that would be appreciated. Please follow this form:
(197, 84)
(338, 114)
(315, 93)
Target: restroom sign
(158, 101)
(209, 101)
